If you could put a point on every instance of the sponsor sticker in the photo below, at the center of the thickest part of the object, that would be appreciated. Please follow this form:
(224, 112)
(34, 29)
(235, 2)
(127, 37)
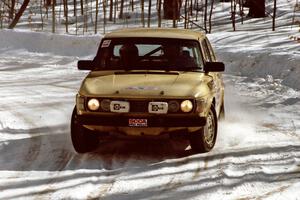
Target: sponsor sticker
(137, 122)
(105, 43)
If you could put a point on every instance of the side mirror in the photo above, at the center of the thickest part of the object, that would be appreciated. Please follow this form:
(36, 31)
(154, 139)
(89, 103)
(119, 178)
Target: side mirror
(214, 67)
(85, 65)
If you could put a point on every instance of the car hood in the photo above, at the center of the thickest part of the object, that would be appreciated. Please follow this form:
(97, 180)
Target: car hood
(145, 84)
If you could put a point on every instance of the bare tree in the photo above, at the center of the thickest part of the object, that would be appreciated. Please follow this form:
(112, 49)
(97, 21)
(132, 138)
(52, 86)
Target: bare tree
(274, 15)
(12, 9)
(205, 15)
(104, 14)
(257, 8)
(96, 16)
(111, 6)
(41, 12)
(233, 12)
(1, 15)
(185, 14)
(132, 5)
(159, 12)
(115, 10)
(149, 13)
(121, 9)
(19, 14)
(210, 15)
(53, 15)
(143, 13)
(66, 13)
(81, 6)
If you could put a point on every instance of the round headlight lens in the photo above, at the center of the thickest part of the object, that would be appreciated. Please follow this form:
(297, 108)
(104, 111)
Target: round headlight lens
(93, 104)
(186, 106)
(173, 106)
(105, 105)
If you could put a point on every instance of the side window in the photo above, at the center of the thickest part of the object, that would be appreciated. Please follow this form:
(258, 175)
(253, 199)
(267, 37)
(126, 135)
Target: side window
(205, 51)
(211, 52)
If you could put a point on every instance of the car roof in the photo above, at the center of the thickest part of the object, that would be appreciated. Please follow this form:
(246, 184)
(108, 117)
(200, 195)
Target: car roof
(156, 33)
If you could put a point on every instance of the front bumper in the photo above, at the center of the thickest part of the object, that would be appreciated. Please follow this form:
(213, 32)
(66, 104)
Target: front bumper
(118, 120)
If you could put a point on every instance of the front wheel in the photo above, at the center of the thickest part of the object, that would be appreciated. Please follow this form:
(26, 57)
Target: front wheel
(204, 140)
(83, 139)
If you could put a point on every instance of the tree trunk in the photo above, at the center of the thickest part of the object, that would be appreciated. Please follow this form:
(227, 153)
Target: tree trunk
(257, 8)
(205, 15)
(96, 17)
(132, 5)
(66, 13)
(75, 5)
(115, 10)
(104, 14)
(1, 17)
(149, 13)
(12, 9)
(274, 15)
(143, 13)
(53, 16)
(111, 6)
(185, 14)
(121, 9)
(159, 13)
(81, 7)
(210, 14)
(41, 12)
(19, 14)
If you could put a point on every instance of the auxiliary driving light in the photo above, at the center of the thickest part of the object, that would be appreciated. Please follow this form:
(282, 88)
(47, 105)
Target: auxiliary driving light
(93, 104)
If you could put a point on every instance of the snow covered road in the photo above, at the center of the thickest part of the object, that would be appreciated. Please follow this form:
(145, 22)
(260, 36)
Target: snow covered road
(257, 154)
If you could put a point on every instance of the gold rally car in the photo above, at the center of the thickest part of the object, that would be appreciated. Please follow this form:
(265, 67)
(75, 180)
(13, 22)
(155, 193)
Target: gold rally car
(150, 83)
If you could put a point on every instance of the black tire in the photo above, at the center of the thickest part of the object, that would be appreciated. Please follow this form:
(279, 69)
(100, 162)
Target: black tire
(204, 140)
(84, 140)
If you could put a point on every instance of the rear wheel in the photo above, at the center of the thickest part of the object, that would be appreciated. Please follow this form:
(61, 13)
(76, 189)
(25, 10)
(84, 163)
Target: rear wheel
(204, 140)
(84, 140)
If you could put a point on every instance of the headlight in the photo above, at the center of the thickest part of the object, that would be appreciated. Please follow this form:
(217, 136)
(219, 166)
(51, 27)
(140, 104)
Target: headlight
(93, 104)
(186, 106)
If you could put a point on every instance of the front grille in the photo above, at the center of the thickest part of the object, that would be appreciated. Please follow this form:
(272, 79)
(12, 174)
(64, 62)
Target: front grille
(137, 106)
(140, 106)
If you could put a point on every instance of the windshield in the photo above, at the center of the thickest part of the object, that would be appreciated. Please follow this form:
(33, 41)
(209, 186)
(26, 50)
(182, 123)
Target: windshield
(148, 53)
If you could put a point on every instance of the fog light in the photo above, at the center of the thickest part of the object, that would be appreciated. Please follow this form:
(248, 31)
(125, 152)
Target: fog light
(93, 104)
(79, 102)
(173, 106)
(105, 105)
(186, 106)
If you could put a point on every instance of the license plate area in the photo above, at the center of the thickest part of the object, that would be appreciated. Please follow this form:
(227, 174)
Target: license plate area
(137, 122)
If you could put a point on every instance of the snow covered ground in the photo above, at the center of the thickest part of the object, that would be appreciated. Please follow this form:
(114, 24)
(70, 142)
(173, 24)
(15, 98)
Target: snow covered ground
(257, 154)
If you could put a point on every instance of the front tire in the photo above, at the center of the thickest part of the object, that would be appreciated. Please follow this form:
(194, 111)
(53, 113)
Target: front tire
(204, 140)
(83, 139)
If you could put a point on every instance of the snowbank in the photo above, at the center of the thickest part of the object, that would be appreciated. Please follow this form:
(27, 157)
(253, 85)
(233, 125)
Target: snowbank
(66, 45)
(260, 54)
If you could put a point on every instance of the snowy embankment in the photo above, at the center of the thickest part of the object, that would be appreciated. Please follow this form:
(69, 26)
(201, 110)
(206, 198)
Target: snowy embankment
(260, 54)
(65, 45)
